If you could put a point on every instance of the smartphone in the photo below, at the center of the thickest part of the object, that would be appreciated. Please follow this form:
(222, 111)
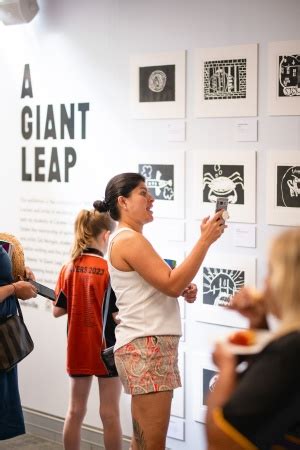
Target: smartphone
(42, 290)
(221, 203)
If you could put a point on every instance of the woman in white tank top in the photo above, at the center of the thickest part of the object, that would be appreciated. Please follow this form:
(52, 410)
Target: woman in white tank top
(149, 321)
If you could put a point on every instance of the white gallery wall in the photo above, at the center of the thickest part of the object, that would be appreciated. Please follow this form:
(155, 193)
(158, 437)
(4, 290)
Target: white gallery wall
(75, 59)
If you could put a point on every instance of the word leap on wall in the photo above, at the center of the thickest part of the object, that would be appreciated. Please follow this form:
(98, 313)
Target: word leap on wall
(57, 122)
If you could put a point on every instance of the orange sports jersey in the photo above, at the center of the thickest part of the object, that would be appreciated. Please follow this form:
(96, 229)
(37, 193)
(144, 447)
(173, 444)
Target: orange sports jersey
(81, 289)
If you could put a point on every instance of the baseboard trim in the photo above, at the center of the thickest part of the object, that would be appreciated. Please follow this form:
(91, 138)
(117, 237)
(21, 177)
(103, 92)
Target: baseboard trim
(50, 427)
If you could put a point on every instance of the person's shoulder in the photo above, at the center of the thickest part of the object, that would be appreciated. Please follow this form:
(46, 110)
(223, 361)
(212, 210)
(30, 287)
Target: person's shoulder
(127, 235)
(63, 269)
(288, 346)
(292, 338)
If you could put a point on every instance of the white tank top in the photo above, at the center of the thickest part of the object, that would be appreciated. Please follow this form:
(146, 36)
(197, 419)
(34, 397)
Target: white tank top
(143, 310)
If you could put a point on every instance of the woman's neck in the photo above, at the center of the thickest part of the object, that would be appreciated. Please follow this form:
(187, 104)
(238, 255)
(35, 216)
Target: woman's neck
(131, 224)
(97, 245)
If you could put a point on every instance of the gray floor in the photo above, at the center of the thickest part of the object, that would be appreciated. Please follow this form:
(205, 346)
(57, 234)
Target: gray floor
(29, 442)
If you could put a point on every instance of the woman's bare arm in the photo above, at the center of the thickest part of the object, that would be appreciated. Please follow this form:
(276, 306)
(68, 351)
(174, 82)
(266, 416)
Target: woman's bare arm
(132, 251)
(57, 311)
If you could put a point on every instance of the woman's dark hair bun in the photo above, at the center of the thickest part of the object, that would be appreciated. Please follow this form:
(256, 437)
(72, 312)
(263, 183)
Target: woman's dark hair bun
(101, 205)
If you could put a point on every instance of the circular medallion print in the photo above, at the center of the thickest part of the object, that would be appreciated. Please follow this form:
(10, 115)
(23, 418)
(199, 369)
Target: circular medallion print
(157, 81)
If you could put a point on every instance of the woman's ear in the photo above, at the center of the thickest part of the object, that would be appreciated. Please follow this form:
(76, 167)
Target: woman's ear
(106, 235)
(122, 202)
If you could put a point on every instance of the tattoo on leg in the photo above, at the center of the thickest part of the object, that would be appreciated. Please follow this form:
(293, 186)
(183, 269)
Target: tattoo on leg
(139, 435)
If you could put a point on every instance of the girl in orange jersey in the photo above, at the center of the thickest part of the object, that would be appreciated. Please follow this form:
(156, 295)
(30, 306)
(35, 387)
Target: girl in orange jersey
(80, 293)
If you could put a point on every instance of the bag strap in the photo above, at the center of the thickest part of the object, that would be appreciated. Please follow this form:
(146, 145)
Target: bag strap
(106, 306)
(19, 308)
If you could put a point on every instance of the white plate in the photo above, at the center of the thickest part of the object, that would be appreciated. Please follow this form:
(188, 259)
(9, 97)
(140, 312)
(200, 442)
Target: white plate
(263, 337)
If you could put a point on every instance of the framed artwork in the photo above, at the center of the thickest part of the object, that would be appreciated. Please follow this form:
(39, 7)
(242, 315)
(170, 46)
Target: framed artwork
(177, 407)
(230, 174)
(284, 78)
(205, 375)
(164, 171)
(158, 85)
(283, 188)
(226, 81)
(164, 175)
(219, 278)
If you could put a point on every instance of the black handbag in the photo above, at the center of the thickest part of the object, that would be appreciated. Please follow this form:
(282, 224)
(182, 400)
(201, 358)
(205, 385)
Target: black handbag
(107, 354)
(15, 340)
(109, 361)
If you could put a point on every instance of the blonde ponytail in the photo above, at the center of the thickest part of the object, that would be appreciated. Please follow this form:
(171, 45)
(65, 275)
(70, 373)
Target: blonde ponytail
(88, 225)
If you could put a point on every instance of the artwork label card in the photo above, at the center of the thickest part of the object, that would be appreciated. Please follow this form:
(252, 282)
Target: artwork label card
(245, 130)
(176, 429)
(244, 235)
(176, 130)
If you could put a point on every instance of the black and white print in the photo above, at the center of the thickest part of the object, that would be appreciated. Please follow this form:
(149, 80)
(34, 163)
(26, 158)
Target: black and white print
(209, 378)
(223, 181)
(159, 180)
(157, 83)
(225, 79)
(289, 76)
(288, 186)
(220, 284)
(283, 186)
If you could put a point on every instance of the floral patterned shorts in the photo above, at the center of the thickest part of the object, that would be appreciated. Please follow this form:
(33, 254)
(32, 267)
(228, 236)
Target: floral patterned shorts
(149, 364)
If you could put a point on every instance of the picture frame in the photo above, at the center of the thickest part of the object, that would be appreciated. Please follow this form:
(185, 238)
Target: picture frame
(220, 276)
(178, 402)
(157, 85)
(164, 173)
(205, 375)
(226, 81)
(229, 174)
(283, 188)
(283, 78)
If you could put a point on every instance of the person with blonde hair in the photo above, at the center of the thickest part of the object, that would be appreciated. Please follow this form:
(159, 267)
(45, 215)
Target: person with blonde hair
(80, 293)
(259, 409)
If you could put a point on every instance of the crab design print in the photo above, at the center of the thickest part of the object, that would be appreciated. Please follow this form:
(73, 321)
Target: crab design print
(222, 186)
